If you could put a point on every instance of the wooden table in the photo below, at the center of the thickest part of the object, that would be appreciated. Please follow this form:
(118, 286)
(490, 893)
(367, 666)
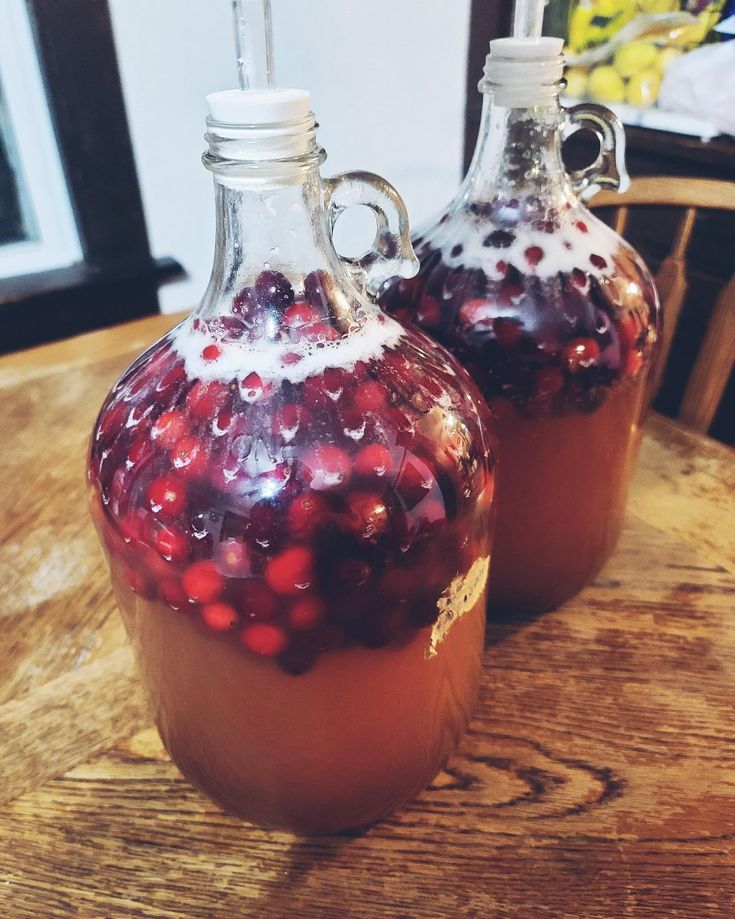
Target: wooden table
(598, 778)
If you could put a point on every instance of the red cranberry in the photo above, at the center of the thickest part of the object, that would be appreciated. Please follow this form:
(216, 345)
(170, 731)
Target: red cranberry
(171, 543)
(370, 396)
(252, 388)
(499, 239)
(549, 381)
(291, 571)
(508, 332)
(477, 314)
(510, 293)
(370, 515)
(140, 583)
(170, 426)
(220, 617)
(202, 582)
(174, 594)
(170, 381)
(203, 399)
(111, 421)
(321, 332)
(598, 261)
(374, 459)
(580, 352)
(501, 267)
(579, 278)
(301, 314)
(534, 254)
(139, 451)
(307, 513)
(211, 353)
(317, 285)
(256, 600)
(189, 457)
(273, 289)
(167, 495)
(582, 226)
(329, 466)
(264, 638)
(286, 420)
(429, 312)
(290, 358)
(333, 382)
(306, 614)
(232, 558)
(243, 301)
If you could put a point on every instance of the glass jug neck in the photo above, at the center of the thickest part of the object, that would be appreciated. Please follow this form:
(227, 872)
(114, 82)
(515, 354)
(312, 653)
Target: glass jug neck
(518, 151)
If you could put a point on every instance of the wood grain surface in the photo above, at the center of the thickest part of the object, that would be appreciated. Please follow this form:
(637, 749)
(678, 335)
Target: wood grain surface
(597, 780)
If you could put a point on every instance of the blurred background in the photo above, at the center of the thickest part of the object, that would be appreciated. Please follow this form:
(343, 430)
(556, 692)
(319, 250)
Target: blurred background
(106, 213)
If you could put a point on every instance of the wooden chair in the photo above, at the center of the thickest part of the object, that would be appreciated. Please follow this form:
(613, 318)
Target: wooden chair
(716, 356)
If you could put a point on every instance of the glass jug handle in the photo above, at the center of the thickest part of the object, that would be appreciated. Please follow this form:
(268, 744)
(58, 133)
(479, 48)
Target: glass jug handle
(608, 170)
(391, 253)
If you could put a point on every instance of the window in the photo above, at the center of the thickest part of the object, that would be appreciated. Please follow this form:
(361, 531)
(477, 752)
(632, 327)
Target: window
(37, 230)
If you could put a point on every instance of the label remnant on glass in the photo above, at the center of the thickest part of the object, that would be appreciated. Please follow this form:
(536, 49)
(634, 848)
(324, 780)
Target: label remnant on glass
(459, 598)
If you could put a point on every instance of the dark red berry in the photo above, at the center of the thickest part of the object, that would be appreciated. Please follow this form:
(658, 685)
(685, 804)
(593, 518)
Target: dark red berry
(167, 495)
(203, 583)
(204, 399)
(256, 600)
(508, 332)
(243, 301)
(211, 353)
(579, 278)
(317, 286)
(252, 388)
(171, 543)
(220, 617)
(499, 239)
(264, 638)
(598, 261)
(429, 312)
(534, 254)
(173, 593)
(291, 571)
(307, 513)
(477, 314)
(582, 226)
(549, 381)
(272, 289)
(189, 457)
(301, 314)
(170, 426)
(370, 396)
(373, 460)
(306, 614)
(328, 466)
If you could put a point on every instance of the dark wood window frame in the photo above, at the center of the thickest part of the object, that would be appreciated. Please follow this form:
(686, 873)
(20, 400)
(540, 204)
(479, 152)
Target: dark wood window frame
(118, 278)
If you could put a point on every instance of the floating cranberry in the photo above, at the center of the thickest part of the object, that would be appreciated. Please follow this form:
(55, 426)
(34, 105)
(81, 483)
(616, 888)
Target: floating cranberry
(140, 583)
(273, 289)
(508, 332)
(307, 513)
(286, 421)
(353, 572)
(256, 600)
(170, 381)
(170, 426)
(306, 614)
(301, 314)
(370, 396)
(211, 352)
(321, 332)
(549, 381)
(252, 388)
(291, 571)
(328, 466)
(429, 312)
(264, 638)
(501, 267)
(582, 226)
(243, 301)
(202, 582)
(171, 543)
(373, 460)
(139, 451)
(189, 457)
(203, 399)
(173, 593)
(220, 617)
(477, 314)
(580, 353)
(510, 293)
(579, 278)
(317, 285)
(232, 558)
(333, 382)
(534, 254)
(167, 495)
(499, 239)
(598, 261)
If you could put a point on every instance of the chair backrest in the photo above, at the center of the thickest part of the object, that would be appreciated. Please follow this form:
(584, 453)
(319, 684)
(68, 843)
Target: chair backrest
(716, 355)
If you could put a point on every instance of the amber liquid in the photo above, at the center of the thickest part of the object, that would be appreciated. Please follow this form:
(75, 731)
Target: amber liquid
(562, 485)
(340, 746)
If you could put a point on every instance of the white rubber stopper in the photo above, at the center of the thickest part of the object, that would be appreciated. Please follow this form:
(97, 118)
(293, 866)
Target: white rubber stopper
(259, 106)
(526, 49)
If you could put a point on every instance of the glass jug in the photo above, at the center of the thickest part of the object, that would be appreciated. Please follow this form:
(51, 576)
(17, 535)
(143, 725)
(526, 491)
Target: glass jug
(554, 315)
(295, 493)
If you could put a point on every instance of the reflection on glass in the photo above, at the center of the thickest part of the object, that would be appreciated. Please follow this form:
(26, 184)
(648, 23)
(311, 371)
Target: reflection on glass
(16, 223)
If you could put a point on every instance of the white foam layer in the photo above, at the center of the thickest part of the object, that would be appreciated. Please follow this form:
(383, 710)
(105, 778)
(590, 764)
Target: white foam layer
(277, 362)
(570, 246)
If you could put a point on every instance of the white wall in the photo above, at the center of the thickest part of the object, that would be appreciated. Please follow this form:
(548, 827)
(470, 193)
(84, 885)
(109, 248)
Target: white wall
(387, 79)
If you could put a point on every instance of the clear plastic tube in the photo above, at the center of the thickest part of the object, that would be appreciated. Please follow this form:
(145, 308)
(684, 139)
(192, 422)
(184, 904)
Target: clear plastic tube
(254, 43)
(528, 18)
